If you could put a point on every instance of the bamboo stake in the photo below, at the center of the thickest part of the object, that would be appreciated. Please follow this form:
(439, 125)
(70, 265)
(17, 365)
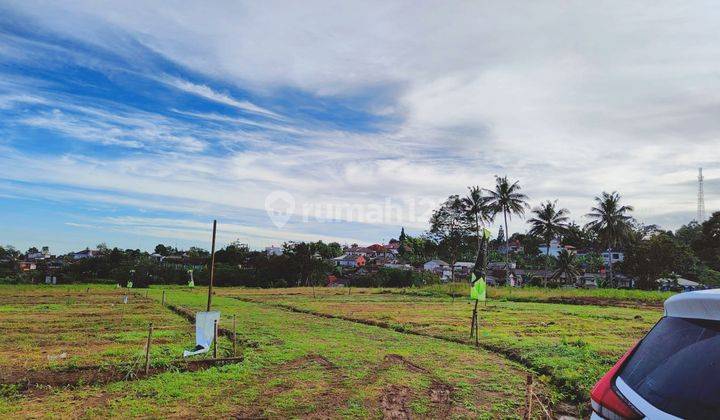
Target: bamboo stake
(234, 336)
(477, 327)
(163, 298)
(528, 397)
(472, 322)
(212, 267)
(215, 336)
(147, 349)
(540, 403)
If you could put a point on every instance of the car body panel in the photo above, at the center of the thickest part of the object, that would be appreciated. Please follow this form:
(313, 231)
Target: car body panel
(648, 410)
(703, 304)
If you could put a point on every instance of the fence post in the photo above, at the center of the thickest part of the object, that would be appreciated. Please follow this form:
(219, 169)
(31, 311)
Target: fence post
(215, 336)
(234, 337)
(528, 397)
(163, 298)
(147, 349)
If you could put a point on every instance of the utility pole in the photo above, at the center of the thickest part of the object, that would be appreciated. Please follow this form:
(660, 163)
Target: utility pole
(212, 267)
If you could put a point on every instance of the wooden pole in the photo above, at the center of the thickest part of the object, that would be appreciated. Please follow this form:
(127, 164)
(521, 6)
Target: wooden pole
(528, 397)
(472, 322)
(215, 341)
(147, 349)
(212, 267)
(476, 325)
(234, 336)
(163, 298)
(146, 293)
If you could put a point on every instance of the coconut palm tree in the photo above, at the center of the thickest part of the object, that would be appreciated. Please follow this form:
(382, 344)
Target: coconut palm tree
(506, 198)
(611, 221)
(549, 223)
(477, 210)
(567, 266)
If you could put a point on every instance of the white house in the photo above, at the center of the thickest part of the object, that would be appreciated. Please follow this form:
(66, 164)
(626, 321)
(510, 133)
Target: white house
(439, 267)
(86, 253)
(617, 256)
(274, 250)
(434, 265)
(348, 260)
(555, 248)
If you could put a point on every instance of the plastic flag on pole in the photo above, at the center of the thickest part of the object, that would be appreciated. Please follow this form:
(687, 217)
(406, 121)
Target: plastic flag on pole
(478, 290)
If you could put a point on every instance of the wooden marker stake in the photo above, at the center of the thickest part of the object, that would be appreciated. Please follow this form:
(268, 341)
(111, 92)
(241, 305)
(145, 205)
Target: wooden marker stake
(147, 349)
(528, 397)
(163, 298)
(215, 336)
(234, 336)
(212, 267)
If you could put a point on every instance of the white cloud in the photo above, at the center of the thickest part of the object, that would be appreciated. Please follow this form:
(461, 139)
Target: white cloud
(570, 98)
(207, 93)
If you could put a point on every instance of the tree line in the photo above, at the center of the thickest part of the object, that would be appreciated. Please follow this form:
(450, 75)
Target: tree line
(693, 251)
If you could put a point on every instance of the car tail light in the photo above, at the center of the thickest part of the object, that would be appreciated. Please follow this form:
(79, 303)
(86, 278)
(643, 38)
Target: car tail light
(605, 398)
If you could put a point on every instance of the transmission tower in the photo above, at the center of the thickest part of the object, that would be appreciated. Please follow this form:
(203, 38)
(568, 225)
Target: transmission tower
(701, 198)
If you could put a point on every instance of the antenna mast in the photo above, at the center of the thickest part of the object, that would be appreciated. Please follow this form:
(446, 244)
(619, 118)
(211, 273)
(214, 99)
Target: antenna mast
(700, 199)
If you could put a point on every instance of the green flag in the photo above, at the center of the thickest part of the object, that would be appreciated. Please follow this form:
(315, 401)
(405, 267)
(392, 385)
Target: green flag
(478, 289)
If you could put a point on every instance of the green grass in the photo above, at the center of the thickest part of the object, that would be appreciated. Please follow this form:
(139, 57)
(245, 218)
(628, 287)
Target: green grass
(573, 345)
(303, 365)
(538, 294)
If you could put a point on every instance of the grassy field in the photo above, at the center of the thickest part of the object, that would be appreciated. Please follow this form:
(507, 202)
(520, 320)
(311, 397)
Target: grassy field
(295, 364)
(600, 297)
(571, 345)
(47, 328)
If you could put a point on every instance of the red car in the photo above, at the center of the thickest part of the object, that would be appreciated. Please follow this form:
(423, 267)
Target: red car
(673, 372)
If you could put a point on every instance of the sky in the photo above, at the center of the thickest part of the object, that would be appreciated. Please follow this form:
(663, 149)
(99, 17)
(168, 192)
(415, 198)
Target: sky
(135, 123)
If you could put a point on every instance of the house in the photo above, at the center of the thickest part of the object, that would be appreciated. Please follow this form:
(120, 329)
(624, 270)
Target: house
(556, 248)
(439, 267)
(273, 250)
(514, 246)
(500, 265)
(614, 256)
(463, 268)
(380, 251)
(86, 253)
(434, 265)
(350, 261)
(27, 265)
(357, 251)
(679, 284)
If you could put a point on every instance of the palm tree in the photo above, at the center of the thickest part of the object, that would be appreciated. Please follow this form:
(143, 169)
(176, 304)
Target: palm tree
(549, 223)
(477, 210)
(611, 222)
(508, 199)
(567, 266)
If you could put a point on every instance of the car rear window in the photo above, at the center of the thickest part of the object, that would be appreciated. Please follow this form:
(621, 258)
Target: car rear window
(676, 368)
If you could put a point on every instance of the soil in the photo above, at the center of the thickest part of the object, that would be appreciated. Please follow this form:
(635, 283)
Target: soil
(394, 402)
(39, 381)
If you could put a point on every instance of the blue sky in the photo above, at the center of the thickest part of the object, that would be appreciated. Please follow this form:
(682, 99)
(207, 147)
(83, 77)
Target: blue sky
(135, 124)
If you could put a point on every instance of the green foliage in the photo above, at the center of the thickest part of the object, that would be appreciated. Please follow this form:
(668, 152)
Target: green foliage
(657, 257)
(393, 277)
(707, 245)
(592, 262)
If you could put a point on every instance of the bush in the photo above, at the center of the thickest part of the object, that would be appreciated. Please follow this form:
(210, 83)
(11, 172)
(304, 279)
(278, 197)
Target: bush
(393, 277)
